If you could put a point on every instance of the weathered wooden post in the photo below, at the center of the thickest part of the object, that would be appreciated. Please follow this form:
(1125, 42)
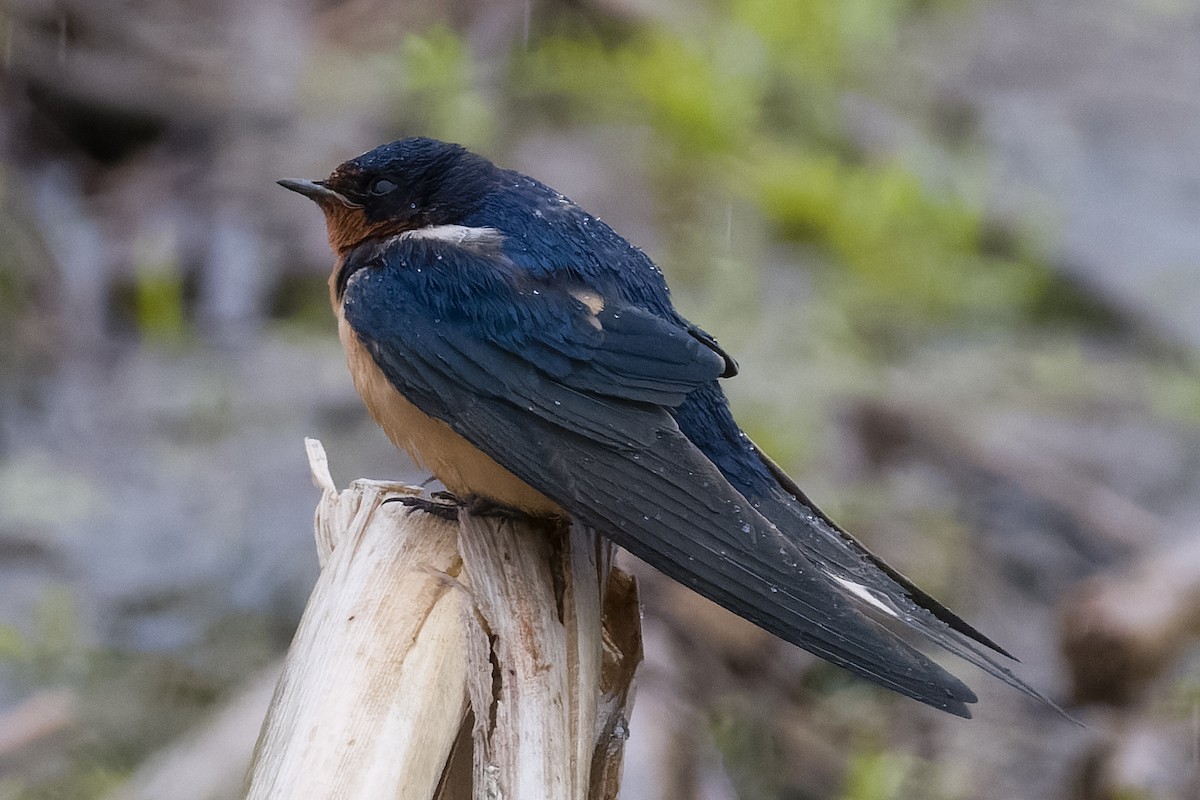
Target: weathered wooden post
(425, 636)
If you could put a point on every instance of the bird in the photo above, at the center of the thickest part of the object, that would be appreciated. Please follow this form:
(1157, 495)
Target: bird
(529, 356)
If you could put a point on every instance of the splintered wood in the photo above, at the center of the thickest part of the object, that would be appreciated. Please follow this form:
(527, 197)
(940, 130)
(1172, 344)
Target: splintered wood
(484, 658)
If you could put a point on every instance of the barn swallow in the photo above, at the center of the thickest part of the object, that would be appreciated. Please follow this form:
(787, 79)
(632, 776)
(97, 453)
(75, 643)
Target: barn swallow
(526, 354)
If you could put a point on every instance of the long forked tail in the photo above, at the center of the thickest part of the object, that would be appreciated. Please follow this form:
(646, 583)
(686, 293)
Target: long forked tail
(882, 590)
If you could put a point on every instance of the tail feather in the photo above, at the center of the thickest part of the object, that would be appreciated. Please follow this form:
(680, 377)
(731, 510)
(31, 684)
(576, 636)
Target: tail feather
(881, 589)
(704, 534)
(913, 592)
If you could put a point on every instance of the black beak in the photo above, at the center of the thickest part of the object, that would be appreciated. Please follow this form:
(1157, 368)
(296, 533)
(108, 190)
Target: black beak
(317, 190)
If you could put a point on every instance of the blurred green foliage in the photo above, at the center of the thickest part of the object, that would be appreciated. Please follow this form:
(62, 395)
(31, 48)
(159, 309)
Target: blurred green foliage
(86, 781)
(12, 643)
(153, 300)
(51, 652)
(879, 775)
(744, 100)
(701, 98)
(114, 688)
(158, 296)
(438, 83)
(908, 256)
(750, 751)
(24, 271)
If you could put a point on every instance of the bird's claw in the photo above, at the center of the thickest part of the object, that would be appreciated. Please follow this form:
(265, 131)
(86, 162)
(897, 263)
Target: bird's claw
(441, 504)
(484, 507)
(447, 506)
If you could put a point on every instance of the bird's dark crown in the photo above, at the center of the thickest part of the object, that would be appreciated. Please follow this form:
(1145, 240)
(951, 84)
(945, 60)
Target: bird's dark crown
(397, 187)
(414, 182)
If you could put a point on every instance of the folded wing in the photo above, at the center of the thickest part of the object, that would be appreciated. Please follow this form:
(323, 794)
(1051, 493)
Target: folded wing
(576, 402)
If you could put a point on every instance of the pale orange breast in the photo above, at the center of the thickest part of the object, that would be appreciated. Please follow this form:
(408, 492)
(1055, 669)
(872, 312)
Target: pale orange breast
(457, 463)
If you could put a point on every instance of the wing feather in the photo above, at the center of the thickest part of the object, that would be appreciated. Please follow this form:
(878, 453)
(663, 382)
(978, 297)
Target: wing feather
(591, 430)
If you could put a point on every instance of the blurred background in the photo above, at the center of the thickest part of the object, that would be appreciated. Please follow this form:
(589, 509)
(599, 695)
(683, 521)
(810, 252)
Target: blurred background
(953, 244)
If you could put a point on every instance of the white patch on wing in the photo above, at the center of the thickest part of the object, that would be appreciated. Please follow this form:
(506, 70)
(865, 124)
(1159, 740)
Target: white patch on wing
(865, 594)
(593, 302)
(460, 235)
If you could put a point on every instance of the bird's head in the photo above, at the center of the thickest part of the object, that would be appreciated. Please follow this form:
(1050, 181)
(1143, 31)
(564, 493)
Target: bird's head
(408, 184)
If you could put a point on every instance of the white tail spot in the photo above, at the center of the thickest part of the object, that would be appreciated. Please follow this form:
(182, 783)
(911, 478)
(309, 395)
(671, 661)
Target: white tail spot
(866, 595)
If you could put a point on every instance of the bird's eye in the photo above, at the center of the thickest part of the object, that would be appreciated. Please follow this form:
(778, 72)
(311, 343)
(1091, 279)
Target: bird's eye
(381, 186)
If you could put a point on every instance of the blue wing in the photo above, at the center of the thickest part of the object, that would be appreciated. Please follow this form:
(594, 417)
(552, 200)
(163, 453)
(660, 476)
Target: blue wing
(576, 400)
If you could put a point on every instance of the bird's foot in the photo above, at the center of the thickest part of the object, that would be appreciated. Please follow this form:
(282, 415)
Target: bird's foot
(485, 507)
(441, 504)
(480, 506)
(447, 505)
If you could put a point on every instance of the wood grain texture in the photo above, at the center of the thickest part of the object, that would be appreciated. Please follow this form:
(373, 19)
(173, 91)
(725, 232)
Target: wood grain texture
(502, 643)
(373, 691)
